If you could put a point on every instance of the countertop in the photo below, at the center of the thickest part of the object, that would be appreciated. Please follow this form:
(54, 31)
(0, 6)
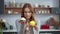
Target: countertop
(39, 31)
(9, 30)
(49, 30)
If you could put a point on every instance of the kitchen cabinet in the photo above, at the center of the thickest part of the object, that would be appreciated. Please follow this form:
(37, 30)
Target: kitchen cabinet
(1, 11)
(1, 7)
(55, 10)
(59, 3)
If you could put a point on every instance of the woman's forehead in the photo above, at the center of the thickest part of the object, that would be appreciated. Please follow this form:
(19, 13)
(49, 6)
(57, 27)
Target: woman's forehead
(27, 9)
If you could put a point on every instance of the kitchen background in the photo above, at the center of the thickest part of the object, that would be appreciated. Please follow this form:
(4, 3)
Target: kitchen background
(9, 15)
(51, 3)
(11, 19)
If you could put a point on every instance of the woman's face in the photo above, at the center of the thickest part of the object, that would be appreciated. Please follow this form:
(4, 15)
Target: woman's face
(27, 13)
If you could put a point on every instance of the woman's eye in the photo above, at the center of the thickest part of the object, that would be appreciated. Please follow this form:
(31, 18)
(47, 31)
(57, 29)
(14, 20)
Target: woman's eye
(27, 12)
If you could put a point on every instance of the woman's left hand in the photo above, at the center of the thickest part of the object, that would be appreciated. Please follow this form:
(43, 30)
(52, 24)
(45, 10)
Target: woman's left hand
(36, 28)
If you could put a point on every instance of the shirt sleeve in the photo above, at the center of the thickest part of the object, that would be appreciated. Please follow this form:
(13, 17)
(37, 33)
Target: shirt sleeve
(18, 25)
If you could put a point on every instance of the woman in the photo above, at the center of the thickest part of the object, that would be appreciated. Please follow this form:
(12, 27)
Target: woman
(27, 13)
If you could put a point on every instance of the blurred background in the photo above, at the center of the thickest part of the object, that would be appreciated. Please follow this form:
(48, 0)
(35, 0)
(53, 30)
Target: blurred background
(47, 14)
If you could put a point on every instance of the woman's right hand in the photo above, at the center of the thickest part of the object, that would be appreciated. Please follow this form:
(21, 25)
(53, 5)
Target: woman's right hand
(22, 21)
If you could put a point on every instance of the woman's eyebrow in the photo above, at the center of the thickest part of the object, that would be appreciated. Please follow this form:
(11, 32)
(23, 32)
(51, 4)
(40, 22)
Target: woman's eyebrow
(27, 11)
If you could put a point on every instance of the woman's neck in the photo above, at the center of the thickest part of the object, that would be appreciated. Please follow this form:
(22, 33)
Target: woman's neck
(27, 20)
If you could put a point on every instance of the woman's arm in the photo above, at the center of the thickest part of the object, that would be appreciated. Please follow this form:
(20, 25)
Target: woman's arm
(18, 26)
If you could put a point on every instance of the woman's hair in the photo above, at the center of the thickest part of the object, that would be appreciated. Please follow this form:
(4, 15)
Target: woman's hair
(31, 9)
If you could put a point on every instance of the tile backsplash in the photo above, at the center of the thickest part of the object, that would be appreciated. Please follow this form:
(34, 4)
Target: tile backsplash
(11, 19)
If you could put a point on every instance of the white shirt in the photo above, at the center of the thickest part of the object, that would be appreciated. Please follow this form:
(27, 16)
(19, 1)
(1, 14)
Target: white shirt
(20, 29)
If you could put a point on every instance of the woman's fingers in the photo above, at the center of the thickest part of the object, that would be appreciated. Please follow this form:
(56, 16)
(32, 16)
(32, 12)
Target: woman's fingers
(21, 21)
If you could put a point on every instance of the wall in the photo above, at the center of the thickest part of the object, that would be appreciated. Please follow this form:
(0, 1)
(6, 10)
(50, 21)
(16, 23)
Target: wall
(11, 19)
(52, 3)
(1, 7)
(59, 3)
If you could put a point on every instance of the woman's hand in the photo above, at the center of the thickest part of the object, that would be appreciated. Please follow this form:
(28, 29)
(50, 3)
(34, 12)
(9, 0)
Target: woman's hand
(22, 21)
(36, 28)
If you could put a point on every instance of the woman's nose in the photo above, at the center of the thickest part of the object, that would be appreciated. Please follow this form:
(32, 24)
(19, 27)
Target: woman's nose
(27, 13)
